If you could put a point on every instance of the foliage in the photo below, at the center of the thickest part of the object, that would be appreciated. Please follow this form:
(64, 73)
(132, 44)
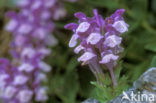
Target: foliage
(105, 91)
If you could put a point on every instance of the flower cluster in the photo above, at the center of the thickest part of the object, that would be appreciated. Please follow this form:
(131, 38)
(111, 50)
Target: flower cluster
(12, 82)
(99, 40)
(31, 28)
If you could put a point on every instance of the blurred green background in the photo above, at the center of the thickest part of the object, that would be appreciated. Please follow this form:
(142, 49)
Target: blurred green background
(69, 82)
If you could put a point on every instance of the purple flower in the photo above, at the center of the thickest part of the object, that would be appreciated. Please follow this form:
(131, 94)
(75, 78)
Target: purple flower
(78, 49)
(11, 25)
(120, 26)
(83, 27)
(31, 28)
(86, 57)
(108, 58)
(24, 96)
(26, 67)
(7, 88)
(44, 67)
(41, 94)
(94, 38)
(99, 40)
(73, 40)
(112, 41)
(9, 92)
(20, 80)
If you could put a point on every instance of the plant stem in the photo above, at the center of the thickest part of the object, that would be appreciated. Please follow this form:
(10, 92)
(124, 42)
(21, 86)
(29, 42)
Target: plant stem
(97, 70)
(113, 77)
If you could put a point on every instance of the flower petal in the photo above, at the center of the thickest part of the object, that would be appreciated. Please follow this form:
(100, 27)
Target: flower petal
(83, 27)
(107, 58)
(24, 96)
(26, 67)
(45, 67)
(41, 95)
(112, 41)
(24, 28)
(80, 15)
(86, 57)
(71, 26)
(78, 49)
(9, 92)
(73, 40)
(20, 79)
(120, 26)
(28, 52)
(11, 25)
(94, 38)
(60, 13)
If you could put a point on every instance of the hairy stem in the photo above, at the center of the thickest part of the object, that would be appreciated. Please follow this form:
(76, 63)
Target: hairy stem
(113, 77)
(96, 69)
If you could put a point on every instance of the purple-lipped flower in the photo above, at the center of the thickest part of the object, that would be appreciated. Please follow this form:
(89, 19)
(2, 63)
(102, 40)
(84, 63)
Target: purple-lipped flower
(21, 78)
(98, 40)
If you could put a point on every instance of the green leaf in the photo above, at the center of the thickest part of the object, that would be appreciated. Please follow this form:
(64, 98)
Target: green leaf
(86, 89)
(72, 64)
(139, 8)
(117, 71)
(7, 3)
(137, 70)
(104, 3)
(154, 5)
(65, 86)
(133, 25)
(153, 63)
(151, 46)
(2, 3)
(71, 87)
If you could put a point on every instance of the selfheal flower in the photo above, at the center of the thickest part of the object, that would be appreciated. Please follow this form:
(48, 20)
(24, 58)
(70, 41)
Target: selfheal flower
(78, 49)
(94, 38)
(20, 80)
(44, 51)
(71, 26)
(83, 27)
(31, 28)
(112, 41)
(41, 94)
(40, 33)
(20, 40)
(28, 52)
(49, 3)
(24, 29)
(26, 67)
(41, 77)
(60, 13)
(99, 40)
(73, 41)
(36, 5)
(86, 57)
(24, 96)
(3, 78)
(9, 92)
(11, 25)
(108, 58)
(120, 26)
(44, 67)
